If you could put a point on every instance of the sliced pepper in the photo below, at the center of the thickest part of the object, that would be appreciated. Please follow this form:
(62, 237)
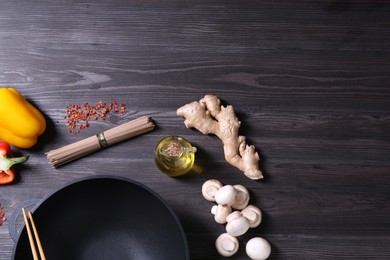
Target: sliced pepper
(20, 122)
(7, 173)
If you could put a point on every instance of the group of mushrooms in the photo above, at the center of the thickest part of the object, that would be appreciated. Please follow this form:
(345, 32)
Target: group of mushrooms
(232, 208)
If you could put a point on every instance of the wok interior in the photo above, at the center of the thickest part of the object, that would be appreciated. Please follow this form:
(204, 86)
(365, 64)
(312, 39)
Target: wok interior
(106, 219)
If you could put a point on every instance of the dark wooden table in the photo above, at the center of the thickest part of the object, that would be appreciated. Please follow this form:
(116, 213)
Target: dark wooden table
(309, 81)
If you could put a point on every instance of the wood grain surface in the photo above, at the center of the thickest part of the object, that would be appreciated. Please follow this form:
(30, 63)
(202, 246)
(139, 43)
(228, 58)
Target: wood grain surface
(309, 81)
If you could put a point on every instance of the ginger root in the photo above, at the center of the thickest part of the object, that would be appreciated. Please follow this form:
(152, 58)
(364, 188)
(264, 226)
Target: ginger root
(209, 117)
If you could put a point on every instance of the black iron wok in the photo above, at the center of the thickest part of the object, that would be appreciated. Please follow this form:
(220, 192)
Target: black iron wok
(105, 218)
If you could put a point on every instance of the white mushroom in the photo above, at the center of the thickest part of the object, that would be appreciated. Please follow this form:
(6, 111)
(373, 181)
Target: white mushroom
(226, 245)
(226, 195)
(258, 248)
(237, 225)
(210, 188)
(233, 215)
(242, 197)
(220, 213)
(253, 214)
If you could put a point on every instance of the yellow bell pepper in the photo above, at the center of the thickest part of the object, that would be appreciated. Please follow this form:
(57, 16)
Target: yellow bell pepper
(20, 122)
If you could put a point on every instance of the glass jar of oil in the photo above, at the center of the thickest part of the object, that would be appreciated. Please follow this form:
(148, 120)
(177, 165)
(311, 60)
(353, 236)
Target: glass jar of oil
(175, 156)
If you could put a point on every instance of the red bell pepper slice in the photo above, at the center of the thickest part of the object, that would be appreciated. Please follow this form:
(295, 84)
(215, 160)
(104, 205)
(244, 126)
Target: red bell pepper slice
(7, 173)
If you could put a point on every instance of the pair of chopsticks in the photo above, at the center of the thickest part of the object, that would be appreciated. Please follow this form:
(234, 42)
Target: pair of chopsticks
(33, 231)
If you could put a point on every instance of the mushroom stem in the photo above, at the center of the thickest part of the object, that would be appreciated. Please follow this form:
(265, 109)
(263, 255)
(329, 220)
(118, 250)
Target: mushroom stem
(253, 214)
(226, 245)
(210, 188)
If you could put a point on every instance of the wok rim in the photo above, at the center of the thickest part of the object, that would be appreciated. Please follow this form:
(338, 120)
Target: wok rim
(110, 177)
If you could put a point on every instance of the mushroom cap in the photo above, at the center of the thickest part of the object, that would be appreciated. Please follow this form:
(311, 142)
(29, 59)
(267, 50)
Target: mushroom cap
(226, 245)
(226, 195)
(210, 188)
(258, 248)
(242, 197)
(236, 226)
(253, 214)
(233, 215)
(220, 213)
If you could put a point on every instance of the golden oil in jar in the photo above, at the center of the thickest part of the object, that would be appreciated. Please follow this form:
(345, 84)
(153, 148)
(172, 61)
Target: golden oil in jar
(175, 156)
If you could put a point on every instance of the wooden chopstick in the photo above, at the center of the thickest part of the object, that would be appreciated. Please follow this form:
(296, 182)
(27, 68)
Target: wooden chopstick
(30, 234)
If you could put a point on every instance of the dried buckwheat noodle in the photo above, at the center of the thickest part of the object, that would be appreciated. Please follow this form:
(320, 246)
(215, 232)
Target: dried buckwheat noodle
(102, 140)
